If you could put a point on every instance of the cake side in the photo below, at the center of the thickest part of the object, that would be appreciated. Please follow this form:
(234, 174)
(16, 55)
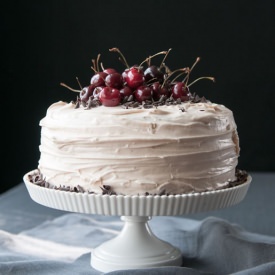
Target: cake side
(189, 147)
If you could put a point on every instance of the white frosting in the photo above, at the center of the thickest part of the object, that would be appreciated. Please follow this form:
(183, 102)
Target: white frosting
(139, 150)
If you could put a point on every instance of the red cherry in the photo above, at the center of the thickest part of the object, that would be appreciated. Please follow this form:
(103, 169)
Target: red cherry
(124, 74)
(134, 77)
(110, 97)
(109, 71)
(98, 79)
(97, 90)
(159, 90)
(143, 93)
(125, 91)
(86, 92)
(180, 90)
(153, 72)
(114, 80)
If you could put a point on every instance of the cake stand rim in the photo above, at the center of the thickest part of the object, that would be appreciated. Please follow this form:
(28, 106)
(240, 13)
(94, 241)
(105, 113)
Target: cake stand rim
(132, 205)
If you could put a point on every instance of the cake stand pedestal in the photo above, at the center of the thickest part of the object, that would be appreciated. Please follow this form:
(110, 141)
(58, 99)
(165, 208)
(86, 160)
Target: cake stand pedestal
(136, 246)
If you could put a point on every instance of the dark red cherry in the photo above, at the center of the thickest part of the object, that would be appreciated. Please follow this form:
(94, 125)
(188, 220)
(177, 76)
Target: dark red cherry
(114, 80)
(110, 97)
(109, 71)
(143, 93)
(98, 79)
(86, 92)
(153, 72)
(125, 91)
(180, 90)
(97, 91)
(159, 90)
(134, 77)
(124, 74)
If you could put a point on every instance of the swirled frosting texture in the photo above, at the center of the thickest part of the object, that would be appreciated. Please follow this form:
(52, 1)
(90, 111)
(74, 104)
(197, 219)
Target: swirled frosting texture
(176, 149)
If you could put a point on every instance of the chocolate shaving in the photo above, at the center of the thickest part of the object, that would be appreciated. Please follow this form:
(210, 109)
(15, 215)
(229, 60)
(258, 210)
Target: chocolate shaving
(241, 177)
(92, 102)
(107, 190)
(37, 179)
(194, 98)
(80, 189)
(130, 98)
(163, 192)
(130, 102)
(148, 104)
(77, 103)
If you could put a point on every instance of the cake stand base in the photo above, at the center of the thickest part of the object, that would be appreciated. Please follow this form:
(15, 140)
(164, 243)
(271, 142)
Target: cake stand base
(135, 247)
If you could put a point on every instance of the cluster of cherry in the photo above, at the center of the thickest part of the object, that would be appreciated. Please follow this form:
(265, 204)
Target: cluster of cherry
(156, 83)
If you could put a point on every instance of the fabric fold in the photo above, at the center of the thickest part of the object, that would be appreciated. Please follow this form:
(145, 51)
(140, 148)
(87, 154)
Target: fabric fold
(20, 247)
(63, 246)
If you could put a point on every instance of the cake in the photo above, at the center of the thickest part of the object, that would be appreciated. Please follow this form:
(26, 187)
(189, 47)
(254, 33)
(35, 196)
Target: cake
(138, 132)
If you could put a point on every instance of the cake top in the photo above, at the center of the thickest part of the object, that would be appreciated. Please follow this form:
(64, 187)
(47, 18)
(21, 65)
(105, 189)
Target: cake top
(140, 86)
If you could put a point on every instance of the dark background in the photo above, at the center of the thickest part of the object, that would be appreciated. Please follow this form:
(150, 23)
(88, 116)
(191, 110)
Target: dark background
(45, 43)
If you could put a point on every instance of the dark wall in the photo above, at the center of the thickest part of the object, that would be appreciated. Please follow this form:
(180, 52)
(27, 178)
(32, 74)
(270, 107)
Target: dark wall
(46, 43)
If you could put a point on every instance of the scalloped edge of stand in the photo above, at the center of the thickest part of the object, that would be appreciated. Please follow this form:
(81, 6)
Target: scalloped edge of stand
(119, 205)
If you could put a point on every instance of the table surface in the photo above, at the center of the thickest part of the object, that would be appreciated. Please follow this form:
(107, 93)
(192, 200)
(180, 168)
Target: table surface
(255, 213)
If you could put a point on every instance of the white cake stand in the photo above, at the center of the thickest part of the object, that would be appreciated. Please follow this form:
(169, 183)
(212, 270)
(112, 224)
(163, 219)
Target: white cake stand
(136, 246)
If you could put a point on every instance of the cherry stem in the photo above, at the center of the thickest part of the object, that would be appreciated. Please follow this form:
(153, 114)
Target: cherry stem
(162, 62)
(203, 77)
(94, 66)
(71, 89)
(149, 61)
(122, 56)
(183, 70)
(195, 63)
(79, 83)
(97, 62)
(102, 67)
(167, 70)
(150, 57)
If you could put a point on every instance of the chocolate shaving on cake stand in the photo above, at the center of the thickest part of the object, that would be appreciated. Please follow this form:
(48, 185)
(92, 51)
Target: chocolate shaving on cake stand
(37, 179)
